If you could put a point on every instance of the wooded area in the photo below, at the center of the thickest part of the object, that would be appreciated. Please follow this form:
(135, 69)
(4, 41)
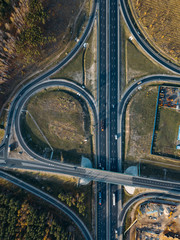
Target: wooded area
(24, 218)
(21, 33)
(34, 34)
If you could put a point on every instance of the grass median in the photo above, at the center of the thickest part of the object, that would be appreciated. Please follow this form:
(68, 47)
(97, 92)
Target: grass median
(167, 132)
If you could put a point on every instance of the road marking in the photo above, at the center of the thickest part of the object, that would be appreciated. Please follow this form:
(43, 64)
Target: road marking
(34, 165)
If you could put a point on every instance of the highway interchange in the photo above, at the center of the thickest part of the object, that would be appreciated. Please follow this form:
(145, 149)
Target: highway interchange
(107, 111)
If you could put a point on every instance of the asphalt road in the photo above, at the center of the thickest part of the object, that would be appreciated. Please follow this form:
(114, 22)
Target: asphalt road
(92, 174)
(102, 176)
(112, 107)
(101, 187)
(142, 41)
(50, 200)
(144, 182)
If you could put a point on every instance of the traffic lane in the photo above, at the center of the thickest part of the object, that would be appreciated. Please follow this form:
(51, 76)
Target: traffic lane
(113, 199)
(153, 78)
(140, 196)
(113, 111)
(101, 211)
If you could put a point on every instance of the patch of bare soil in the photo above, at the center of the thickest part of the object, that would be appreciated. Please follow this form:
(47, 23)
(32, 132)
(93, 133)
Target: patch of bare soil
(65, 131)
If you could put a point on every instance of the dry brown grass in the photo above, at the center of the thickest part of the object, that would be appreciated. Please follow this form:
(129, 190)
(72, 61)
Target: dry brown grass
(159, 20)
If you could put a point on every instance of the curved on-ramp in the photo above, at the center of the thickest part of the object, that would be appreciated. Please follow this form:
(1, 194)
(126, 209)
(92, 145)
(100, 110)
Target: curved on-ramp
(52, 83)
(50, 200)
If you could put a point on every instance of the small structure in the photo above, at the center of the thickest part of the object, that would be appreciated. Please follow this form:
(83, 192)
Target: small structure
(132, 170)
(178, 140)
(85, 162)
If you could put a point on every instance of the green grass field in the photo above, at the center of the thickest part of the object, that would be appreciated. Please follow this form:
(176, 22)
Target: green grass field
(167, 133)
(139, 124)
(138, 65)
(64, 120)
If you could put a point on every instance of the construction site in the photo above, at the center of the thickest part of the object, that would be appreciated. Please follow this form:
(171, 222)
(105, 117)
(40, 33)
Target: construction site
(157, 220)
(169, 97)
(166, 133)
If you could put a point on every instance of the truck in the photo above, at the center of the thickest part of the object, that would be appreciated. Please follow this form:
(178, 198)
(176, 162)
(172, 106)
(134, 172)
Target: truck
(114, 199)
(116, 234)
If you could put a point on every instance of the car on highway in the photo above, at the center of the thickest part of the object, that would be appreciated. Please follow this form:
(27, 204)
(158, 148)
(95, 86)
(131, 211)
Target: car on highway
(114, 199)
(100, 199)
(103, 124)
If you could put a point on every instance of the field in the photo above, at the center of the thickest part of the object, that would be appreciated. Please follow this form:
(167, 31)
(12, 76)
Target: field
(159, 21)
(167, 133)
(140, 113)
(138, 136)
(64, 120)
(138, 64)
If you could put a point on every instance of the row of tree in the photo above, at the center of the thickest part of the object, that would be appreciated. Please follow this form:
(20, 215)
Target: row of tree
(78, 201)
